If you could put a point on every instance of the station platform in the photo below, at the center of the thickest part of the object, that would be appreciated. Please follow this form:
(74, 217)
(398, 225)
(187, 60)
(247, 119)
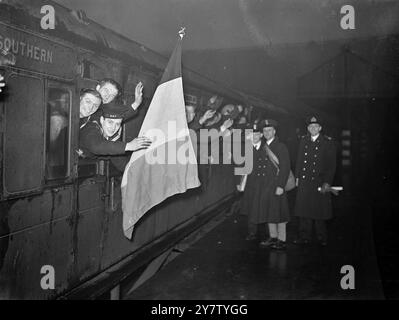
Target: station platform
(223, 265)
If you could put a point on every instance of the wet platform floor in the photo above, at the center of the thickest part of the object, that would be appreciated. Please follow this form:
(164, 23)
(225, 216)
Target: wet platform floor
(222, 265)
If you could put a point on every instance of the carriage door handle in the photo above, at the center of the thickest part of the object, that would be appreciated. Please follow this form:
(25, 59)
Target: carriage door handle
(112, 194)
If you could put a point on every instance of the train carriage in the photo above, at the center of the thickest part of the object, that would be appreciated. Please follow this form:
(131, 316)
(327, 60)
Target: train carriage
(57, 210)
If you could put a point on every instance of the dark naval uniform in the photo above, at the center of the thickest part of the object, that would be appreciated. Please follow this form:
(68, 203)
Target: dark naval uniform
(84, 121)
(259, 200)
(315, 166)
(92, 142)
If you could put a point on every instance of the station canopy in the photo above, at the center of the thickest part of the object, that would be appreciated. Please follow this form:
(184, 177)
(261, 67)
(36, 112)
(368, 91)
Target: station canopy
(347, 76)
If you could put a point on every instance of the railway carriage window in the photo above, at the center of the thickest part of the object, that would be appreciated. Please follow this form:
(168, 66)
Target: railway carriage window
(190, 99)
(57, 151)
(24, 134)
(93, 70)
(86, 69)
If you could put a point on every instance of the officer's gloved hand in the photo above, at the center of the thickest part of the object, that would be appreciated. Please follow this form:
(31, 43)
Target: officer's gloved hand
(325, 188)
(279, 191)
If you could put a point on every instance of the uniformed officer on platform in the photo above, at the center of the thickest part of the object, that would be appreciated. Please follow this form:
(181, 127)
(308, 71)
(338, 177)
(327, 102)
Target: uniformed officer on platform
(264, 198)
(249, 197)
(101, 138)
(315, 169)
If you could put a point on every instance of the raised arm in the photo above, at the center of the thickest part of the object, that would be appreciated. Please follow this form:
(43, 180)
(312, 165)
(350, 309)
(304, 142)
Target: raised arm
(138, 99)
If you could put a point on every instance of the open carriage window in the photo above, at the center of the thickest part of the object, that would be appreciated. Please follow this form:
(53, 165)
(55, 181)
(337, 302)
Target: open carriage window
(58, 132)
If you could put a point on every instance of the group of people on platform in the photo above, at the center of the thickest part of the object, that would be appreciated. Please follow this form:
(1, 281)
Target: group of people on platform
(265, 198)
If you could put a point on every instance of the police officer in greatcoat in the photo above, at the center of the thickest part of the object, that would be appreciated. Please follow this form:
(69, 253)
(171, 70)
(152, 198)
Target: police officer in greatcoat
(264, 199)
(314, 172)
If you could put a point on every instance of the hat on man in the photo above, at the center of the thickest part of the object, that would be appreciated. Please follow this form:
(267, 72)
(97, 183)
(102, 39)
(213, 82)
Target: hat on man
(256, 126)
(230, 111)
(114, 110)
(313, 119)
(214, 102)
(269, 123)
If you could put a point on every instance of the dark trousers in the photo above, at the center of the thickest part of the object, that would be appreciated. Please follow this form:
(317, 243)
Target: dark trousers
(258, 229)
(305, 228)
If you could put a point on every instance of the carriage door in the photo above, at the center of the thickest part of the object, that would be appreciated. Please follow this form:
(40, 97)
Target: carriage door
(93, 193)
(22, 126)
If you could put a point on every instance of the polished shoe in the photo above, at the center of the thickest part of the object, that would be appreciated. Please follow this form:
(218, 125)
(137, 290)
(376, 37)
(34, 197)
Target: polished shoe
(250, 237)
(279, 245)
(267, 243)
(301, 241)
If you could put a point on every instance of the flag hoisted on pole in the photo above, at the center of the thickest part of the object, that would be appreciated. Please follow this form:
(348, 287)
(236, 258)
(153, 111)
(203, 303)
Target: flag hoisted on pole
(169, 165)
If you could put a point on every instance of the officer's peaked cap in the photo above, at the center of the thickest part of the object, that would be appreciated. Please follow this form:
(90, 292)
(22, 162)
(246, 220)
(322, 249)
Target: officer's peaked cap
(313, 119)
(256, 126)
(269, 123)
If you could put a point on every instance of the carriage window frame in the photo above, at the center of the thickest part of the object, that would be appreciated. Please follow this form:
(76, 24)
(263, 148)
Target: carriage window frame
(58, 85)
(6, 192)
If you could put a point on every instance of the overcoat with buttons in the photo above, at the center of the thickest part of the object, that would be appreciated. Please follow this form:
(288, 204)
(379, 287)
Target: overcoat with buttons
(316, 162)
(260, 201)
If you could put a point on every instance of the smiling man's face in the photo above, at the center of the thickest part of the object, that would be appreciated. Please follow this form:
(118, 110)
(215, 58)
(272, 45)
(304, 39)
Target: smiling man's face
(314, 129)
(108, 92)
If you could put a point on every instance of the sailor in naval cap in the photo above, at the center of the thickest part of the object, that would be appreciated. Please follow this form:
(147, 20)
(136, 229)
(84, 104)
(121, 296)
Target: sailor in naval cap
(315, 169)
(101, 138)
